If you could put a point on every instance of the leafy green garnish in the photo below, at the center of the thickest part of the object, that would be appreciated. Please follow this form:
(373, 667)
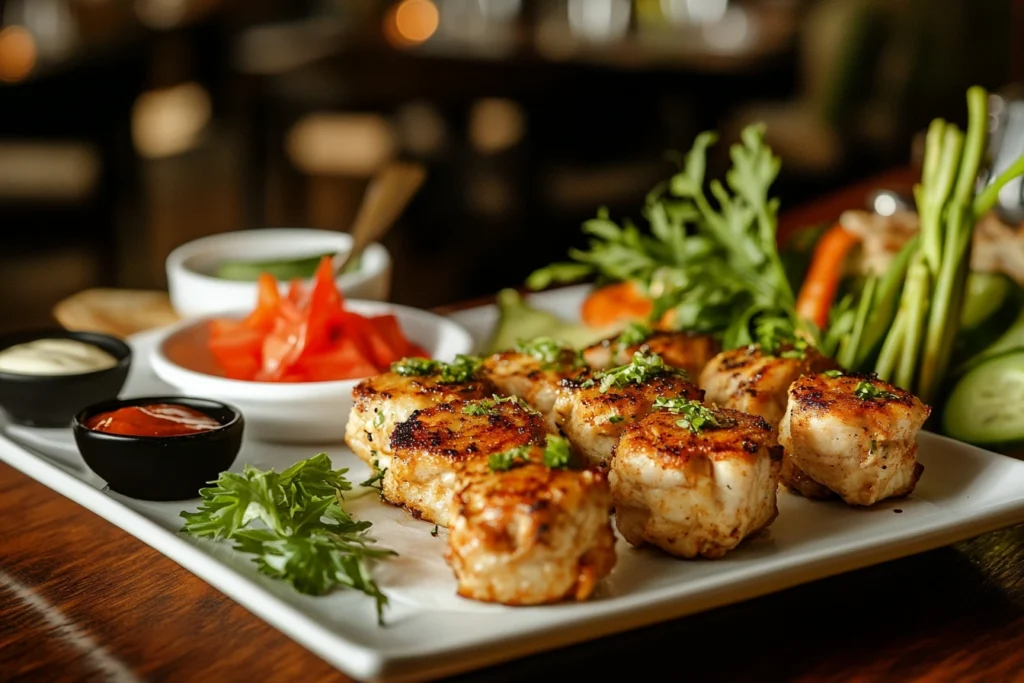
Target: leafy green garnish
(489, 406)
(548, 351)
(711, 260)
(615, 418)
(868, 391)
(634, 334)
(306, 538)
(463, 368)
(376, 480)
(506, 460)
(434, 531)
(833, 373)
(696, 416)
(378, 418)
(641, 368)
(557, 455)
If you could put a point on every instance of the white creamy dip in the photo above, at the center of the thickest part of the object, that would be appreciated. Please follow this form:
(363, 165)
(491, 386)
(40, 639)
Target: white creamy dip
(55, 357)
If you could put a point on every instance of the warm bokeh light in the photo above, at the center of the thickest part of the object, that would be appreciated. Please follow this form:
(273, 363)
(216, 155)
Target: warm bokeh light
(169, 121)
(17, 53)
(411, 22)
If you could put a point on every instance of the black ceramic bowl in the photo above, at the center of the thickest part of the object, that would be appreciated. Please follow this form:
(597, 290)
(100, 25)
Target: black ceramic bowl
(52, 400)
(160, 467)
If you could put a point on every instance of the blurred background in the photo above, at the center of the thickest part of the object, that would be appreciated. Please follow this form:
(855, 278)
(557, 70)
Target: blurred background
(128, 127)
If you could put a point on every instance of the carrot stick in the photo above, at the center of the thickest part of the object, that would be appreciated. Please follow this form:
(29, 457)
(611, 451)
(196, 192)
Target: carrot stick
(822, 280)
(614, 303)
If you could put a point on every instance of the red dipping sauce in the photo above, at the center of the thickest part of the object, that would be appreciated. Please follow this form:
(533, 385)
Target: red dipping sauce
(156, 419)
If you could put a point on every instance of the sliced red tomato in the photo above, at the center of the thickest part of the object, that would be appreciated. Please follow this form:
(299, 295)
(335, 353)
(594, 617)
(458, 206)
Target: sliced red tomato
(344, 361)
(307, 336)
(268, 304)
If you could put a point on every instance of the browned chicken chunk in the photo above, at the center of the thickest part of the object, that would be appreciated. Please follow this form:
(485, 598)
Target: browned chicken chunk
(593, 409)
(431, 448)
(526, 533)
(854, 436)
(695, 480)
(383, 401)
(753, 381)
(683, 350)
(533, 371)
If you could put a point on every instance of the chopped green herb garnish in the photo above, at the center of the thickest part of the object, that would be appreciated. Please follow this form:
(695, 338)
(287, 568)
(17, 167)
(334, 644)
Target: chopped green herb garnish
(433, 532)
(378, 418)
(615, 418)
(557, 453)
(868, 391)
(506, 460)
(305, 537)
(489, 406)
(462, 369)
(696, 416)
(833, 373)
(376, 480)
(641, 368)
(548, 351)
(634, 334)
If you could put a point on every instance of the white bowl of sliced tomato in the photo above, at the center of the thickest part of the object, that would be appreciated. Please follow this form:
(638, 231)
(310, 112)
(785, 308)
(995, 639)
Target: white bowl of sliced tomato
(290, 363)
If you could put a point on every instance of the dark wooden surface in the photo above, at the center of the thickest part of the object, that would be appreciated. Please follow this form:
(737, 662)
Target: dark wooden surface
(81, 600)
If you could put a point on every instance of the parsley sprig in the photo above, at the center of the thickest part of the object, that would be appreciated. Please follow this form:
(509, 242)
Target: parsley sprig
(709, 252)
(695, 415)
(642, 367)
(303, 535)
(557, 455)
(463, 368)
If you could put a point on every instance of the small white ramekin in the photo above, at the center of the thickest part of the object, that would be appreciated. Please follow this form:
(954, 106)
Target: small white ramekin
(195, 291)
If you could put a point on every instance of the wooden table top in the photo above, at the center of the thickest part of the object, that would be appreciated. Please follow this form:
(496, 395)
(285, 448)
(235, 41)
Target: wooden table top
(81, 600)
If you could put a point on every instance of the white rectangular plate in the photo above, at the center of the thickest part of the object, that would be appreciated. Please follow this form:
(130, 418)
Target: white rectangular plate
(431, 632)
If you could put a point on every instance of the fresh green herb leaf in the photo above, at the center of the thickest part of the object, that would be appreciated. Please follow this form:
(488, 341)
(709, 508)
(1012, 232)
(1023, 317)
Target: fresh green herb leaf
(489, 406)
(615, 418)
(557, 454)
(378, 418)
(833, 373)
(709, 256)
(506, 460)
(635, 333)
(548, 351)
(868, 391)
(641, 368)
(376, 480)
(696, 416)
(463, 368)
(434, 531)
(305, 537)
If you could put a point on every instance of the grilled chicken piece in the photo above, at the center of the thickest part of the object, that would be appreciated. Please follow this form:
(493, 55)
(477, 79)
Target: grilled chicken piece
(533, 372)
(751, 381)
(593, 413)
(432, 447)
(852, 435)
(531, 535)
(683, 350)
(382, 402)
(695, 493)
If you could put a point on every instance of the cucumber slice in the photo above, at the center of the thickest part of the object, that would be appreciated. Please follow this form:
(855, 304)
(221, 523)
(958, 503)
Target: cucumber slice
(985, 294)
(518, 320)
(987, 405)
